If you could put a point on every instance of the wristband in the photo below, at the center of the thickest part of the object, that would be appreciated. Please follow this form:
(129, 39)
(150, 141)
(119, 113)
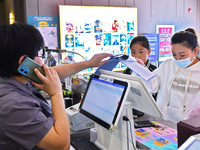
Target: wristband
(56, 94)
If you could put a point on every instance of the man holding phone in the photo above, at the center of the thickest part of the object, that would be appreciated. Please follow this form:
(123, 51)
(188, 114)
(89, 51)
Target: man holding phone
(26, 121)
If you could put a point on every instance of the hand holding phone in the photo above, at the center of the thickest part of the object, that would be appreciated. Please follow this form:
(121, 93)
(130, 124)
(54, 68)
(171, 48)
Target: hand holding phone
(51, 82)
(27, 69)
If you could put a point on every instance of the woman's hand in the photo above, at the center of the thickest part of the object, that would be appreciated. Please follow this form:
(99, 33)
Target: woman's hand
(97, 59)
(51, 82)
(140, 61)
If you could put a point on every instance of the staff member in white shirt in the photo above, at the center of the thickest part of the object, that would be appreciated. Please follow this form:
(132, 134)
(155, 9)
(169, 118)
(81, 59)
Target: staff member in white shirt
(177, 81)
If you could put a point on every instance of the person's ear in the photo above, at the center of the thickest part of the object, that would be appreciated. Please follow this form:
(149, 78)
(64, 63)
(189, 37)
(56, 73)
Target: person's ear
(195, 51)
(21, 59)
(149, 51)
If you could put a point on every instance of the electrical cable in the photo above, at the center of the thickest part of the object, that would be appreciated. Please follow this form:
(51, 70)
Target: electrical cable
(126, 119)
(127, 135)
(131, 134)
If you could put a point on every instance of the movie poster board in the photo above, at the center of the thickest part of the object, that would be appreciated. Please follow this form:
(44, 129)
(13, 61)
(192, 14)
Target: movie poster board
(48, 27)
(88, 30)
(165, 33)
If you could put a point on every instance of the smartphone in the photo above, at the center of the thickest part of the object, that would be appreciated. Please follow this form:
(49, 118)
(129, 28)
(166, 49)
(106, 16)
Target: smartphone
(27, 69)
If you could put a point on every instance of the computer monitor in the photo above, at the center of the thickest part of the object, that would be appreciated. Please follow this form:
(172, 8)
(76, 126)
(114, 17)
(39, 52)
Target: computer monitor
(105, 103)
(107, 99)
(103, 100)
(140, 97)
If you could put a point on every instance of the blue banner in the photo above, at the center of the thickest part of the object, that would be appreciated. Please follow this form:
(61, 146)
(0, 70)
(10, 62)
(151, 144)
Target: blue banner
(153, 41)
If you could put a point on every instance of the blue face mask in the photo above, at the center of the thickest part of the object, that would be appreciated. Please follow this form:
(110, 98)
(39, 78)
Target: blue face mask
(183, 63)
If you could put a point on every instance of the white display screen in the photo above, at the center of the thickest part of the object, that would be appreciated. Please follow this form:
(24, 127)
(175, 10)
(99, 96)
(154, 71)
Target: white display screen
(89, 30)
(103, 101)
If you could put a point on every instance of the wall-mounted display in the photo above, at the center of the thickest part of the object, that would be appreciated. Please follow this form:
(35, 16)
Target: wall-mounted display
(165, 33)
(95, 29)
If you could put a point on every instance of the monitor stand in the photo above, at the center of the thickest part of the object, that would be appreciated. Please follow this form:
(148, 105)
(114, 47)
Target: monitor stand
(117, 139)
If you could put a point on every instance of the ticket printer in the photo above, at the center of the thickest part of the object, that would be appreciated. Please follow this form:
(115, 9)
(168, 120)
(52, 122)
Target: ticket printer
(78, 121)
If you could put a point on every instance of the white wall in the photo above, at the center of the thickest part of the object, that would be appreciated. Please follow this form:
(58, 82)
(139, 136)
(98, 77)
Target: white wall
(150, 12)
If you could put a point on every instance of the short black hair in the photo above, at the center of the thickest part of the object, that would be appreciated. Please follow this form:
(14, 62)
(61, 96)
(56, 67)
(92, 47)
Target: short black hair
(17, 40)
(185, 38)
(141, 40)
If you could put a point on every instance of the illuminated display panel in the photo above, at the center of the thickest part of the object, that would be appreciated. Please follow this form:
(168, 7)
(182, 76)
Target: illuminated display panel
(88, 30)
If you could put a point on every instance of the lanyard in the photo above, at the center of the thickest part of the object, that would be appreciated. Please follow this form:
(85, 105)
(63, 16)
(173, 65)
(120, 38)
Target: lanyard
(186, 88)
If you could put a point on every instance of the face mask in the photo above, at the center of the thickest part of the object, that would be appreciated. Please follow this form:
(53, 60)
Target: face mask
(183, 63)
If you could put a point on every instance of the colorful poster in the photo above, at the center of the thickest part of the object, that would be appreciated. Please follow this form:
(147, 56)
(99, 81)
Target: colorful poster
(48, 27)
(130, 36)
(153, 41)
(130, 26)
(123, 39)
(79, 40)
(69, 27)
(50, 36)
(88, 27)
(107, 39)
(115, 26)
(69, 40)
(159, 137)
(98, 26)
(165, 33)
(98, 39)
(115, 39)
(124, 49)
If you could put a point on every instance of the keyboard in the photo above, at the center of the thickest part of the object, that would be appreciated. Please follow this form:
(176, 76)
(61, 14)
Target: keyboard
(83, 143)
(144, 123)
